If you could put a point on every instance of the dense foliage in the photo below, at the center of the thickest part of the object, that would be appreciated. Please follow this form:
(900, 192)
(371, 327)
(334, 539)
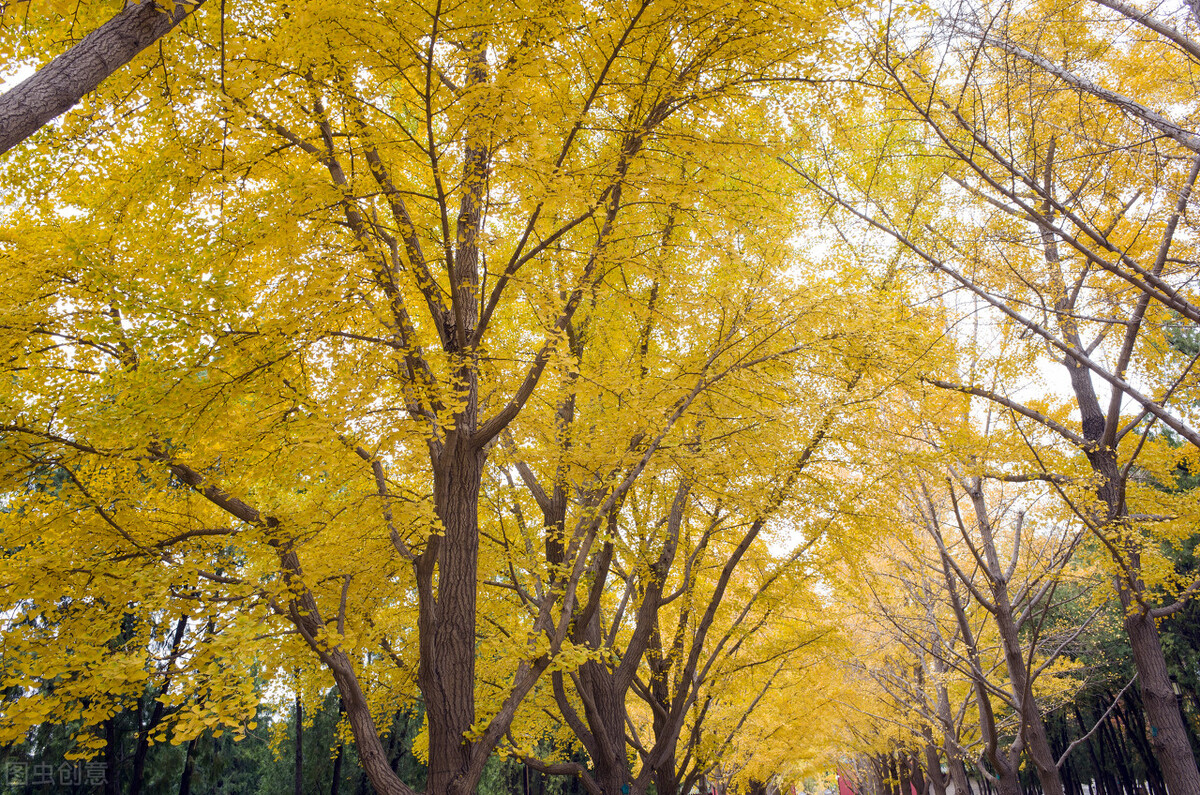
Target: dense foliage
(614, 398)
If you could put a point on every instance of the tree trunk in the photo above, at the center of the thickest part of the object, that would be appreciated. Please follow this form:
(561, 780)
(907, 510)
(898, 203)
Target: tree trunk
(918, 779)
(1133, 715)
(666, 778)
(1009, 782)
(956, 770)
(1168, 736)
(606, 718)
(111, 753)
(447, 620)
(1034, 729)
(189, 763)
(1037, 744)
(336, 785)
(143, 743)
(904, 772)
(298, 771)
(1122, 779)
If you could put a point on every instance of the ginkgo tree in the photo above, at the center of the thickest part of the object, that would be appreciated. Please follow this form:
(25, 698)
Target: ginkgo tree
(653, 619)
(256, 370)
(1061, 207)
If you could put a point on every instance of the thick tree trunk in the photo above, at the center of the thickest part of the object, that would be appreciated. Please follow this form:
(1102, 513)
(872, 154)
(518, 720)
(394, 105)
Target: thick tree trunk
(447, 668)
(937, 780)
(1168, 736)
(606, 719)
(58, 85)
(666, 778)
(1008, 781)
(958, 774)
(371, 753)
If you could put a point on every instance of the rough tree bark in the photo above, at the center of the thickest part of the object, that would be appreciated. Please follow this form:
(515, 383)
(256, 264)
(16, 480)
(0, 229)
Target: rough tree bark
(58, 85)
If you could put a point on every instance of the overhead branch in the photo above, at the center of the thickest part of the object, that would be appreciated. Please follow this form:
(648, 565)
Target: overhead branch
(1151, 406)
(57, 86)
(1129, 105)
(1013, 405)
(1145, 18)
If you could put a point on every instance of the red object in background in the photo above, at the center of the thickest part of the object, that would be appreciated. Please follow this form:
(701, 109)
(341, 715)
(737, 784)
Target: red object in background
(844, 787)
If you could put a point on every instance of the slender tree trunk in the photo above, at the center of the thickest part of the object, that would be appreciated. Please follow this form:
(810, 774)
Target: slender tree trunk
(1037, 744)
(957, 771)
(933, 781)
(904, 772)
(919, 781)
(189, 764)
(1133, 715)
(336, 785)
(111, 755)
(1099, 784)
(1109, 735)
(298, 771)
(143, 743)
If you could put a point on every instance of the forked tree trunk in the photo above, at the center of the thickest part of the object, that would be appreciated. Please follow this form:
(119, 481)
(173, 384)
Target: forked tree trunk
(937, 780)
(1168, 736)
(1008, 781)
(606, 719)
(1037, 743)
(1004, 761)
(156, 714)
